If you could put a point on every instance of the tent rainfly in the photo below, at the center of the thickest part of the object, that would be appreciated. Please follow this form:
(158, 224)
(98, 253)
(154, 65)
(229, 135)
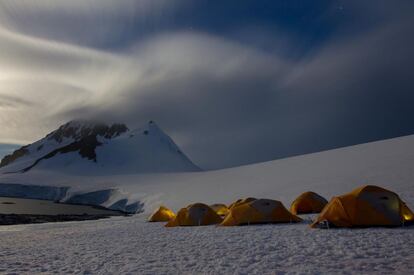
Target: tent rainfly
(220, 209)
(195, 215)
(365, 206)
(257, 212)
(162, 214)
(307, 203)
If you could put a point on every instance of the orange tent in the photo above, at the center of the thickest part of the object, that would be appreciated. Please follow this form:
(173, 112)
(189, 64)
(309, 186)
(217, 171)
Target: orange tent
(366, 206)
(407, 214)
(220, 209)
(194, 215)
(162, 214)
(259, 211)
(308, 202)
(241, 201)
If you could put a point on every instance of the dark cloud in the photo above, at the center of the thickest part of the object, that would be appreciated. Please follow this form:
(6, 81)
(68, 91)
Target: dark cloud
(355, 89)
(247, 94)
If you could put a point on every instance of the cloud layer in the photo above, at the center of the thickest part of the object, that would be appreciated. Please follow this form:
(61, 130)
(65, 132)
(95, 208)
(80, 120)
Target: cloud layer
(224, 99)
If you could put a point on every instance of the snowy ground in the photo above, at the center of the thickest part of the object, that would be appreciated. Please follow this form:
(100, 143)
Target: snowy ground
(130, 245)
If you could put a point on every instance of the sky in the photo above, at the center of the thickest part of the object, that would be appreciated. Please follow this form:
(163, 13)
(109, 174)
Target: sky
(232, 82)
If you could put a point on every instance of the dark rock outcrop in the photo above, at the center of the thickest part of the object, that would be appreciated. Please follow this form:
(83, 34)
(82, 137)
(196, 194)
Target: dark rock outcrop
(84, 135)
(15, 155)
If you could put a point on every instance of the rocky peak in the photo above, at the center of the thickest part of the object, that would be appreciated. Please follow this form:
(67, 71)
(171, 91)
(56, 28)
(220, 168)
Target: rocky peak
(15, 155)
(75, 131)
(80, 129)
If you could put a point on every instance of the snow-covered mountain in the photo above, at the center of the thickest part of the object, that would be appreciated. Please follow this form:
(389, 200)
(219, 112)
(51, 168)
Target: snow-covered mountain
(94, 148)
(388, 163)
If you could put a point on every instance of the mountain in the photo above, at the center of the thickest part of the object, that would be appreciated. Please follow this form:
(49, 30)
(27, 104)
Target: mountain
(83, 147)
(388, 163)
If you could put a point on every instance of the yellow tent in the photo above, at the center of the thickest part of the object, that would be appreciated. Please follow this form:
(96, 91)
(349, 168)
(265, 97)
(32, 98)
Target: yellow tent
(259, 211)
(308, 202)
(194, 215)
(220, 209)
(240, 201)
(162, 214)
(407, 214)
(366, 206)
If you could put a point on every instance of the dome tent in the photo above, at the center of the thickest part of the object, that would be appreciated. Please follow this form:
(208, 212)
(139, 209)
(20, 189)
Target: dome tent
(162, 214)
(195, 215)
(365, 206)
(220, 209)
(259, 211)
(307, 203)
(240, 202)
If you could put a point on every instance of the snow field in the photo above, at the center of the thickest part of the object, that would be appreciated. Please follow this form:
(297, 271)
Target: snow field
(131, 245)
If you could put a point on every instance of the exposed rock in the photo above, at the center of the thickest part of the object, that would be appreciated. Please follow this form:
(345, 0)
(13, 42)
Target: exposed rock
(79, 129)
(83, 134)
(15, 155)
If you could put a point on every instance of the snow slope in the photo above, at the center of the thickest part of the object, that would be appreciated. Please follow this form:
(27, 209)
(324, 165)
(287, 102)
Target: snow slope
(387, 163)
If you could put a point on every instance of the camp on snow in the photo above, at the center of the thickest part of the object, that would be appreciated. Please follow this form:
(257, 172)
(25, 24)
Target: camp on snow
(365, 206)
